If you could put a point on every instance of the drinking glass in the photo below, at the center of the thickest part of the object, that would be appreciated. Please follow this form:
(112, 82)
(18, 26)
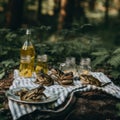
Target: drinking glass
(69, 65)
(85, 66)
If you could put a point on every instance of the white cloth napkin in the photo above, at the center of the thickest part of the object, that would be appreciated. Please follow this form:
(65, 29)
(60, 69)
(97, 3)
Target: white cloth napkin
(19, 109)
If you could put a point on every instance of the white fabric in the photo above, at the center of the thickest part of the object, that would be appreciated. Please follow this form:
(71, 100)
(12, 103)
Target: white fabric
(18, 109)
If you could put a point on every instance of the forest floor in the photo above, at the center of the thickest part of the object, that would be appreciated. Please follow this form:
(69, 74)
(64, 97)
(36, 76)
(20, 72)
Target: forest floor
(93, 105)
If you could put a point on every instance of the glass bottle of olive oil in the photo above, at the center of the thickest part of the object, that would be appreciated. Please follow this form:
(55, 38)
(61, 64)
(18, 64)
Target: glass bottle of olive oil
(27, 57)
(42, 65)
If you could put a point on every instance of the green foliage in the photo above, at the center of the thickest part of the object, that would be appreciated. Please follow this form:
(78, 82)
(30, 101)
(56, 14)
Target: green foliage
(114, 60)
(67, 43)
(116, 51)
(118, 108)
(6, 66)
(109, 57)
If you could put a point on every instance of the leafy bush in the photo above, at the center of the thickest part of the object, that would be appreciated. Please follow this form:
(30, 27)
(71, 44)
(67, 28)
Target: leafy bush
(67, 43)
(111, 58)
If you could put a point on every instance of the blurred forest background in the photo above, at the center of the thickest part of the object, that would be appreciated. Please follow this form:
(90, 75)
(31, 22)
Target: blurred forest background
(79, 28)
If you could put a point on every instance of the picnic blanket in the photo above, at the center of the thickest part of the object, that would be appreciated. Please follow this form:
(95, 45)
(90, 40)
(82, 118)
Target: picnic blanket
(65, 93)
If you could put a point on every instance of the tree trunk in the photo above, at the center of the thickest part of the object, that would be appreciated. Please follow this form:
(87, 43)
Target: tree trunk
(92, 5)
(70, 9)
(14, 14)
(62, 14)
(119, 9)
(39, 9)
(107, 12)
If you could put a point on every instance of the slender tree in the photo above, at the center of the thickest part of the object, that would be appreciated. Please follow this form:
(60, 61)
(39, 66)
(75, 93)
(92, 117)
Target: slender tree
(107, 12)
(92, 5)
(70, 9)
(62, 14)
(119, 9)
(39, 9)
(15, 14)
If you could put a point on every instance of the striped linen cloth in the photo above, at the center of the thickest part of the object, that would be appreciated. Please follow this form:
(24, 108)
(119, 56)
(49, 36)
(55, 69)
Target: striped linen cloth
(19, 109)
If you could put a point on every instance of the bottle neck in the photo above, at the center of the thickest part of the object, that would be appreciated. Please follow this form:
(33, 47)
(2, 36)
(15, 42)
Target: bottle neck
(28, 37)
(28, 34)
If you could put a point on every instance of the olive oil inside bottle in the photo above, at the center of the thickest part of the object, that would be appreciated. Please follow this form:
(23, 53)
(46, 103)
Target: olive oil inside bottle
(27, 57)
